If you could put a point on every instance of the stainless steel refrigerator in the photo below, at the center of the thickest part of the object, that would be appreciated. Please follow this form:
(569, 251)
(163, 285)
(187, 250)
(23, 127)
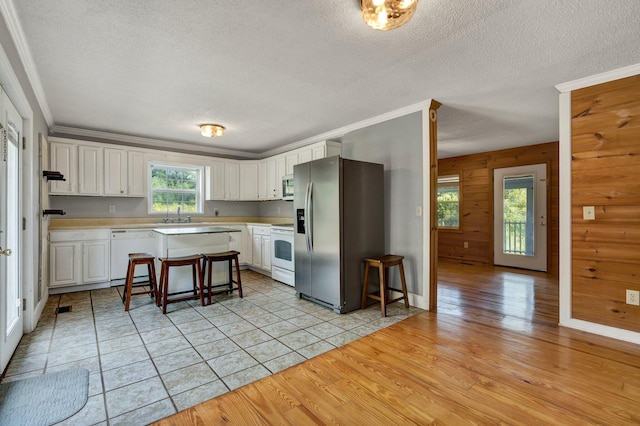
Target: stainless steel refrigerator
(339, 220)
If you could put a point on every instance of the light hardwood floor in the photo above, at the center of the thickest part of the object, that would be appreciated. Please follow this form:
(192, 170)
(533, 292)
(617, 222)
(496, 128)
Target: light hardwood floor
(492, 354)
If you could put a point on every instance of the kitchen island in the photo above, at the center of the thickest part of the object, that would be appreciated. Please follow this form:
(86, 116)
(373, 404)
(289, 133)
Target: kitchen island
(190, 240)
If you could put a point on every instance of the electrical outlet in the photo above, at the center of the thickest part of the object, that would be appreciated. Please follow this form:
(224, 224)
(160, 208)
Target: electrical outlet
(112, 209)
(589, 213)
(466, 244)
(633, 297)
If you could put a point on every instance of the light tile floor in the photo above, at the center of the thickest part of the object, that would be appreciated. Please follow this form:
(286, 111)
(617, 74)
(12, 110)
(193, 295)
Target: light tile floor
(145, 365)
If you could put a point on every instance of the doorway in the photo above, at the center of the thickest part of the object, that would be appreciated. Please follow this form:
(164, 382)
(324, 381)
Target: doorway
(11, 313)
(520, 217)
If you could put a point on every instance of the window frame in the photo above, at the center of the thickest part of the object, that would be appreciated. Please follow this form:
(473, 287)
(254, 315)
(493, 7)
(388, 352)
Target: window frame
(450, 181)
(199, 191)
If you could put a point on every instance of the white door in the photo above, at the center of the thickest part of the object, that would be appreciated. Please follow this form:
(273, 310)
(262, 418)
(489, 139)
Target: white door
(11, 318)
(43, 276)
(520, 217)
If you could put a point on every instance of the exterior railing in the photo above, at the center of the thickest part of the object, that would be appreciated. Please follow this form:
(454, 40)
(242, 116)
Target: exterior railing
(515, 238)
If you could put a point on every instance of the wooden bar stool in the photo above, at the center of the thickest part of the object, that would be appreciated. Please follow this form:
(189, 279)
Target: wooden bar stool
(229, 257)
(383, 263)
(163, 290)
(134, 260)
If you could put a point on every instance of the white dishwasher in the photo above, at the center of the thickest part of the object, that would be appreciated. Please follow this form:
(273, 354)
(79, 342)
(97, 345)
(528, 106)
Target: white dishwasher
(125, 241)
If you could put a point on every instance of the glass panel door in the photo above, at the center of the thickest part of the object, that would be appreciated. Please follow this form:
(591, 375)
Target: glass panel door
(10, 248)
(520, 211)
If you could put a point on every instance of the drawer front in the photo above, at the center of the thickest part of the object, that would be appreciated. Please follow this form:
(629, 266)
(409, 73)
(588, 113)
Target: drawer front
(261, 230)
(78, 235)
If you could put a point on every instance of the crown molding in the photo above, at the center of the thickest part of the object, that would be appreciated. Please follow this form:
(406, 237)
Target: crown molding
(604, 77)
(129, 140)
(15, 29)
(340, 132)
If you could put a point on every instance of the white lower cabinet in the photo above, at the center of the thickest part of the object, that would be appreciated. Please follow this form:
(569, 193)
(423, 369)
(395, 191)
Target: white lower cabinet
(260, 247)
(78, 257)
(266, 252)
(239, 241)
(94, 267)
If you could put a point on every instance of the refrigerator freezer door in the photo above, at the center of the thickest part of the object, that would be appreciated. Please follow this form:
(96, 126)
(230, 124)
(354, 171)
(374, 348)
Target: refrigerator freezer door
(300, 241)
(325, 206)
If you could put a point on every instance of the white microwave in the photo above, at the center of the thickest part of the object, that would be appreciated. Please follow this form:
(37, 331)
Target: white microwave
(287, 187)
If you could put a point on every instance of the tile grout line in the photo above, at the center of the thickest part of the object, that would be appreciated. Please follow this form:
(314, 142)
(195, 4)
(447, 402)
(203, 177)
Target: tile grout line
(104, 391)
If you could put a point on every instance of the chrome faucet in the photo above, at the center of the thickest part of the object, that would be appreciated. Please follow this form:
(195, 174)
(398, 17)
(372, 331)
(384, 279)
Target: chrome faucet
(179, 214)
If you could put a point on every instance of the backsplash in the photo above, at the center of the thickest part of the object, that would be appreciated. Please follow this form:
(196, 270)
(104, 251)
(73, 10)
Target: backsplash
(98, 207)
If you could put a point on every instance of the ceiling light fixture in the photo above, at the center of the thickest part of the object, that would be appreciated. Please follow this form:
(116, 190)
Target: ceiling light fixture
(387, 14)
(211, 130)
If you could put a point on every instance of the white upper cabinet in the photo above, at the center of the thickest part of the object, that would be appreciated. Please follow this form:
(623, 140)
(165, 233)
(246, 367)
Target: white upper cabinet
(137, 174)
(249, 180)
(311, 152)
(263, 181)
(281, 171)
(90, 170)
(291, 160)
(116, 171)
(63, 159)
(305, 155)
(276, 169)
(94, 169)
(215, 180)
(232, 180)
(326, 149)
(125, 173)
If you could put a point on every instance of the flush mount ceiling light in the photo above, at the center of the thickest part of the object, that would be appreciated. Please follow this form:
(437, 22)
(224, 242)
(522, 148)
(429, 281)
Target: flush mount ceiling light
(387, 14)
(211, 130)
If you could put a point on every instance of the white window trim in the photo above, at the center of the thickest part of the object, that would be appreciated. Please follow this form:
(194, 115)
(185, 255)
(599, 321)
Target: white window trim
(450, 180)
(199, 186)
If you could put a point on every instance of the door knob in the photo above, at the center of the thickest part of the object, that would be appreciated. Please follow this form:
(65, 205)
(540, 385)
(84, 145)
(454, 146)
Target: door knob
(5, 252)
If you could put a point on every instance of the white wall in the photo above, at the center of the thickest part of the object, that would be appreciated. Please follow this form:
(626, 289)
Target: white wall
(397, 144)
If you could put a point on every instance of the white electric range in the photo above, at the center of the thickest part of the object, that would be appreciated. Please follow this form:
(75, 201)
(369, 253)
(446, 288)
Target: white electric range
(282, 254)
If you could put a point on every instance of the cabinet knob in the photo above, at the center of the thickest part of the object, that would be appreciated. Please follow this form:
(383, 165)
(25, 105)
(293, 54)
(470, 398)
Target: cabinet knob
(122, 191)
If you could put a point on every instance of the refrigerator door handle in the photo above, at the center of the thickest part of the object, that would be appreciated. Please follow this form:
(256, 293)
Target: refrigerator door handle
(306, 213)
(310, 217)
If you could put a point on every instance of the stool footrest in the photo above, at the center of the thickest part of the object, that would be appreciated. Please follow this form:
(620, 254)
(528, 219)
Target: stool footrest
(388, 302)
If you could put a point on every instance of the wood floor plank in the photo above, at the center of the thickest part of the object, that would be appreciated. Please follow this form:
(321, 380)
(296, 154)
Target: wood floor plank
(493, 354)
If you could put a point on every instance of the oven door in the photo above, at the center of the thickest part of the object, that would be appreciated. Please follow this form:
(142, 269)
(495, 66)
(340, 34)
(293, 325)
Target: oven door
(282, 249)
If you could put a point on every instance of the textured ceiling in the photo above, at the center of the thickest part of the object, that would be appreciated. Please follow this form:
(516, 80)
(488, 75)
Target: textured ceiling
(281, 71)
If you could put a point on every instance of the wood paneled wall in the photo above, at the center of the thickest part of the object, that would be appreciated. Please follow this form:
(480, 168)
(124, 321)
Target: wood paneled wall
(605, 173)
(476, 211)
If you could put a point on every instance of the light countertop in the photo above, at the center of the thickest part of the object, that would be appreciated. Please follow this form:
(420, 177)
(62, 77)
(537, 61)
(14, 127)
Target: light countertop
(153, 223)
(187, 230)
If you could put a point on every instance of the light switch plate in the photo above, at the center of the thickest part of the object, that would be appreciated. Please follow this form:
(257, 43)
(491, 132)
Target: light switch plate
(418, 211)
(589, 213)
